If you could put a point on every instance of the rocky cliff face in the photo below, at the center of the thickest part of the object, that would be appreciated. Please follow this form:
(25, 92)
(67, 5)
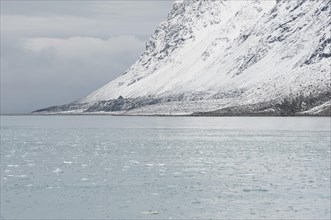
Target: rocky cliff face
(229, 57)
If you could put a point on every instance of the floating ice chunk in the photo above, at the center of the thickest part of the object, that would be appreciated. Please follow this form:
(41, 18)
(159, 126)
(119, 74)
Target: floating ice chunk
(150, 212)
(84, 179)
(150, 165)
(68, 162)
(177, 174)
(57, 171)
(134, 161)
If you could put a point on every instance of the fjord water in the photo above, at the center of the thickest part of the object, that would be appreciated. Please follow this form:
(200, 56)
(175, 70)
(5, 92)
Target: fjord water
(103, 167)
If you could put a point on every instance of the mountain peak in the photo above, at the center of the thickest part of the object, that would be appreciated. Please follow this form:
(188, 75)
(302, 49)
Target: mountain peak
(214, 54)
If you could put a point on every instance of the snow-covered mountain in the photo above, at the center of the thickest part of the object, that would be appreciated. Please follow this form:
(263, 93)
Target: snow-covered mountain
(219, 57)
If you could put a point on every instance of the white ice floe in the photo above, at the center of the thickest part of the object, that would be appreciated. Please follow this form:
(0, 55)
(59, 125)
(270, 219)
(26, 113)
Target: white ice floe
(151, 212)
(177, 174)
(57, 171)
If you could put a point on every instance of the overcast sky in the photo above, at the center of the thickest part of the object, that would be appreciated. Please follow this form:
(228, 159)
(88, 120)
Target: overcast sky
(54, 52)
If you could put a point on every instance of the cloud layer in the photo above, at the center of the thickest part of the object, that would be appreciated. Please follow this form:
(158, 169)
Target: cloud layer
(55, 52)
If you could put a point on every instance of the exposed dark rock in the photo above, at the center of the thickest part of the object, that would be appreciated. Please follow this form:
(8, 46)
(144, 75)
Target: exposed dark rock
(121, 104)
(320, 51)
(289, 106)
(61, 108)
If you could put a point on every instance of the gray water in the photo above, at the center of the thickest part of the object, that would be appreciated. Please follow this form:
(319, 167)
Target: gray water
(103, 167)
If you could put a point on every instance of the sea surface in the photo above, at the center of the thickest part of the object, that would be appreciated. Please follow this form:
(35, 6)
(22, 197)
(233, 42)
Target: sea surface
(104, 167)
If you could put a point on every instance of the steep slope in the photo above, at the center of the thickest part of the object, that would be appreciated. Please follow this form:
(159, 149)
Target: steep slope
(286, 55)
(240, 56)
(177, 52)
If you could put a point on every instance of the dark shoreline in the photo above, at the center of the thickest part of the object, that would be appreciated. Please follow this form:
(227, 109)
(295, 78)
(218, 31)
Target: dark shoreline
(159, 115)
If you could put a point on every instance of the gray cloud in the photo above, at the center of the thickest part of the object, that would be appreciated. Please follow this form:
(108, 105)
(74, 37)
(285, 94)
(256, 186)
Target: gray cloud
(116, 9)
(56, 52)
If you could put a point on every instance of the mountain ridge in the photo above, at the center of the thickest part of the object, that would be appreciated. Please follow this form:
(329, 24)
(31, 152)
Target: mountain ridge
(212, 55)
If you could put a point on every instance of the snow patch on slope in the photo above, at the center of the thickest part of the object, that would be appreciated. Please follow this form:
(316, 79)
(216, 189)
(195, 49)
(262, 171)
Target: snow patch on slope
(193, 35)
